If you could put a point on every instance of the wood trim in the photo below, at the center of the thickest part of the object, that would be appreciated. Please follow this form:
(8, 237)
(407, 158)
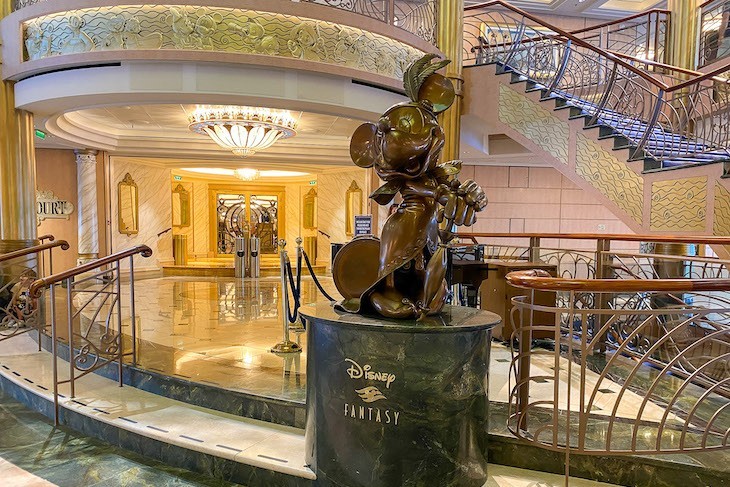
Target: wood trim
(34, 250)
(541, 280)
(39, 284)
(691, 239)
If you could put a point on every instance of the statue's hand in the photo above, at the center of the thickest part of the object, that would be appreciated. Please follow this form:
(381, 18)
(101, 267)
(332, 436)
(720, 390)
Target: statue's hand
(462, 203)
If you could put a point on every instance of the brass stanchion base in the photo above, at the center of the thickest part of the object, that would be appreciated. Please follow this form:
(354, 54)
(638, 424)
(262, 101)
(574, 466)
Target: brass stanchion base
(286, 347)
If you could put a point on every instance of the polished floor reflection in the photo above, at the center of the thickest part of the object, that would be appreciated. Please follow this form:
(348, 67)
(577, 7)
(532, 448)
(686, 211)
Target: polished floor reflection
(220, 331)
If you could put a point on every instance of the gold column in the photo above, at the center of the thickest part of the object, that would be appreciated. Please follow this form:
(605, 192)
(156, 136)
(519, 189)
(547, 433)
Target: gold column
(682, 40)
(449, 39)
(17, 168)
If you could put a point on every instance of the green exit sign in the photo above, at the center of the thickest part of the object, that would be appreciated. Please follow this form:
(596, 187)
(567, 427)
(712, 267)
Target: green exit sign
(40, 134)
(177, 178)
(313, 182)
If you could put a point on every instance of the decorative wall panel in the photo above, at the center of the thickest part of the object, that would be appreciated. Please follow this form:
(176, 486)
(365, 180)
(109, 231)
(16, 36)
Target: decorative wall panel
(679, 204)
(722, 210)
(215, 29)
(614, 179)
(534, 122)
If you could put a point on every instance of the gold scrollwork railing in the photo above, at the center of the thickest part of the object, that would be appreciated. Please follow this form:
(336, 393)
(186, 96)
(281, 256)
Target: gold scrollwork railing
(94, 316)
(19, 311)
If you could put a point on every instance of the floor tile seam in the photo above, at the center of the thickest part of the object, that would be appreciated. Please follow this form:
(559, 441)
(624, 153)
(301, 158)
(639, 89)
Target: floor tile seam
(90, 398)
(141, 428)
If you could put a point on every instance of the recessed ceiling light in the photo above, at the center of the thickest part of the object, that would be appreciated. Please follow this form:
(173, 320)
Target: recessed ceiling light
(219, 171)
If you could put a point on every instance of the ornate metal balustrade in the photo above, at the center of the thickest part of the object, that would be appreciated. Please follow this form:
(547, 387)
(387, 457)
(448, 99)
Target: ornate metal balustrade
(633, 370)
(19, 312)
(88, 301)
(664, 115)
(415, 16)
(714, 32)
(642, 35)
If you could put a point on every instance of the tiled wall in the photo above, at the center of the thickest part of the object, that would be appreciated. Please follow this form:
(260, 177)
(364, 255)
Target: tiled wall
(539, 199)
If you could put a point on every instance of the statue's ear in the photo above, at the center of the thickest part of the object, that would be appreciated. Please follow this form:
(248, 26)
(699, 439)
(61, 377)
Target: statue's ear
(438, 91)
(364, 148)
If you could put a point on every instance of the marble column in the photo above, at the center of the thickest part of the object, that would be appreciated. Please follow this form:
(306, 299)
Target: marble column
(88, 212)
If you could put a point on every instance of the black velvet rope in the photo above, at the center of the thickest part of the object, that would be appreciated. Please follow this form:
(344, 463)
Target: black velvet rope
(314, 277)
(295, 292)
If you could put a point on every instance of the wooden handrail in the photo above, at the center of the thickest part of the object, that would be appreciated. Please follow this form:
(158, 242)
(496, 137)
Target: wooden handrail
(705, 4)
(40, 284)
(689, 239)
(575, 40)
(622, 19)
(542, 280)
(34, 250)
(48, 237)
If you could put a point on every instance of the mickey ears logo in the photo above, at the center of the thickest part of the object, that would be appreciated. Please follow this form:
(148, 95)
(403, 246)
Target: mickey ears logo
(370, 394)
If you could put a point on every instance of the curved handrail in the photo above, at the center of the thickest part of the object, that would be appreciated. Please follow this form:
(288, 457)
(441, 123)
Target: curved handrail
(622, 19)
(542, 280)
(574, 39)
(39, 284)
(34, 250)
(48, 237)
(613, 56)
(689, 239)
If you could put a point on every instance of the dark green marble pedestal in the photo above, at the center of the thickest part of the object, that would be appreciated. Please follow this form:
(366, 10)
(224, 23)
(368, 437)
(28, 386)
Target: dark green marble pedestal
(394, 403)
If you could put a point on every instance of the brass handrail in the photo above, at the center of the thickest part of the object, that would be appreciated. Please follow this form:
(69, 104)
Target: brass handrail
(689, 239)
(622, 19)
(38, 285)
(542, 280)
(34, 250)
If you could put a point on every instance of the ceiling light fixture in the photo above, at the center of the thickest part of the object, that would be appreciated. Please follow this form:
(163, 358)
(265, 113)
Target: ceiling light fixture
(247, 174)
(243, 130)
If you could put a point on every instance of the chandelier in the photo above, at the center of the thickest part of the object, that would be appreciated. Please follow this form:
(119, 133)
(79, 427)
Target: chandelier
(247, 174)
(243, 130)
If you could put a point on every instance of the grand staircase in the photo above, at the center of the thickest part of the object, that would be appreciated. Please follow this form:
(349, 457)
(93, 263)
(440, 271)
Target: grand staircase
(652, 141)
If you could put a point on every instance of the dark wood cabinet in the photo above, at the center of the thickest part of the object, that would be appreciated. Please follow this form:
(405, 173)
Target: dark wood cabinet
(495, 295)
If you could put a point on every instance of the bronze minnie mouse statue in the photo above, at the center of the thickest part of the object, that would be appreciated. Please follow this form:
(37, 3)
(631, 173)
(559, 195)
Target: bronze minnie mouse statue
(404, 147)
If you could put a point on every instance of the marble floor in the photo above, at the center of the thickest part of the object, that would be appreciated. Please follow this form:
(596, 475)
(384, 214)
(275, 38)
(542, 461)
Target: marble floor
(34, 453)
(219, 331)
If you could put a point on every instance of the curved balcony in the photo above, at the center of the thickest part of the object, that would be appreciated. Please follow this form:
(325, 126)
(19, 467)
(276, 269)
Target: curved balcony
(371, 40)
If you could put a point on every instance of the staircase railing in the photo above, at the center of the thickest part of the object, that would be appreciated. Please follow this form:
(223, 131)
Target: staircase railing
(713, 43)
(19, 311)
(662, 114)
(641, 35)
(93, 309)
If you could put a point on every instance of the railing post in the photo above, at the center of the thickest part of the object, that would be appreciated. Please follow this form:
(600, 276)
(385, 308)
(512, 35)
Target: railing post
(119, 337)
(523, 367)
(54, 354)
(650, 124)
(390, 15)
(534, 252)
(69, 314)
(606, 95)
(514, 46)
(604, 270)
(561, 70)
(132, 311)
